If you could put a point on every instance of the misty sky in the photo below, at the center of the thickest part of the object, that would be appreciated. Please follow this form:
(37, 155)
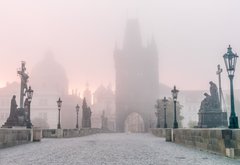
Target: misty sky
(191, 37)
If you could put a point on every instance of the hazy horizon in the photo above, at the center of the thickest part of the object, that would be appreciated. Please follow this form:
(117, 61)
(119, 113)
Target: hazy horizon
(191, 37)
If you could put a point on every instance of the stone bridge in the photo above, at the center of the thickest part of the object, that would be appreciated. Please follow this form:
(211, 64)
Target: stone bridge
(109, 148)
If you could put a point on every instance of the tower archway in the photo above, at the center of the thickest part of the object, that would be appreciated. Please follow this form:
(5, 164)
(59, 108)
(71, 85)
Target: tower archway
(134, 123)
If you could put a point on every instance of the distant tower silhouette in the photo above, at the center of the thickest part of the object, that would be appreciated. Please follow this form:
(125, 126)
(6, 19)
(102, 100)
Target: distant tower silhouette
(137, 79)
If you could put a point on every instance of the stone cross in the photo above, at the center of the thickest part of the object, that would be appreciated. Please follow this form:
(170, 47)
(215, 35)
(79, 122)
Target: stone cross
(24, 78)
(219, 71)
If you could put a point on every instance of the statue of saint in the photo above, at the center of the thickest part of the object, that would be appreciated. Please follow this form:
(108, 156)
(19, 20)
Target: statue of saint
(211, 102)
(205, 102)
(13, 108)
(214, 95)
(86, 115)
(89, 114)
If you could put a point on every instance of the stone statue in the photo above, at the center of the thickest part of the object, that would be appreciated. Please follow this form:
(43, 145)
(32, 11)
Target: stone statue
(24, 79)
(13, 108)
(89, 114)
(205, 103)
(211, 102)
(13, 116)
(210, 114)
(86, 115)
(214, 95)
(20, 116)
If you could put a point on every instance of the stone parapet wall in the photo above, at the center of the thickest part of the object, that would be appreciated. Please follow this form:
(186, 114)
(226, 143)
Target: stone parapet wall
(235, 142)
(11, 136)
(223, 141)
(160, 132)
(68, 133)
(216, 140)
(50, 133)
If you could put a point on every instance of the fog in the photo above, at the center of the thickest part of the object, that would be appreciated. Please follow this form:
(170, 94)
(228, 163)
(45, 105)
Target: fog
(191, 37)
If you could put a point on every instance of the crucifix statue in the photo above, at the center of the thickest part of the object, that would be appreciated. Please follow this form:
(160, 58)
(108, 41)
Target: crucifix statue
(24, 79)
(219, 71)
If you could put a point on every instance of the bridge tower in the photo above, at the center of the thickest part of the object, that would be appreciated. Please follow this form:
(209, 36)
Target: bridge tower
(137, 77)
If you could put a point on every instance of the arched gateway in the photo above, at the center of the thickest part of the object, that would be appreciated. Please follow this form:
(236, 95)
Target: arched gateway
(134, 123)
(137, 85)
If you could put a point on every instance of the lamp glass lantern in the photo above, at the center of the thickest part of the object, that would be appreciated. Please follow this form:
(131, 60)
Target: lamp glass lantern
(230, 60)
(175, 93)
(59, 103)
(77, 108)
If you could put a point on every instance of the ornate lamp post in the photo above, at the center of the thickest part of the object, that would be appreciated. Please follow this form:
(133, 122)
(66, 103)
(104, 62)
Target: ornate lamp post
(29, 92)
(164, 100)
(59, 103)
(230, 60)
(174, 94)
(77, 110)
(157, 106)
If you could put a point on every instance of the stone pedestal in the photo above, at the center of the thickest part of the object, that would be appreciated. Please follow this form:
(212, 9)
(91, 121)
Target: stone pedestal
(17, 120)
(10, 123)
(168, 134)
(212, 119)
(37, 134)
(59, 133)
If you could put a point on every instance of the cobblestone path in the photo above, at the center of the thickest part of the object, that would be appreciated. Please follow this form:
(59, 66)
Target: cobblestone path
(109, 149)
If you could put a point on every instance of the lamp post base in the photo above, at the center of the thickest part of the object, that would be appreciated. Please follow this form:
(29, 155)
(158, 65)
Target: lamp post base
(233, 122)
(58, 126)
(29, 125)
(175, 125)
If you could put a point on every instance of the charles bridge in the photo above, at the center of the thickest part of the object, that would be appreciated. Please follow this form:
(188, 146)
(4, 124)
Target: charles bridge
(104, 146)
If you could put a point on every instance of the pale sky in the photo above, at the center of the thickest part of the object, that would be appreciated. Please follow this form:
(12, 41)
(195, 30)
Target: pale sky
(191, 35)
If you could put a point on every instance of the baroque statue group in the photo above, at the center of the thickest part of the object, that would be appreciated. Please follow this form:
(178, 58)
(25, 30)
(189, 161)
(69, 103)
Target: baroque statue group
(20, 116)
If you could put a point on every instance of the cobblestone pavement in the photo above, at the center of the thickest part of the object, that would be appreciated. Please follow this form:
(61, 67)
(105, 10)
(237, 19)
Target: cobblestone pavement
(112, 149)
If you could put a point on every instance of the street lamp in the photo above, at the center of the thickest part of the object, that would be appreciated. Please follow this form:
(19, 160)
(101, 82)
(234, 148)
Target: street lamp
(174, 94)
(157, 106)
(29, 92)
(59, 103)
(164, 100)
(77, 110)
(230, 60)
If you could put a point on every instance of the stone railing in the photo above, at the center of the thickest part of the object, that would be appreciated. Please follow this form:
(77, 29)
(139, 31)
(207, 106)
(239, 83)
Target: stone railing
(67, 133)
(15, 136)
(223, 141)
(160, 132)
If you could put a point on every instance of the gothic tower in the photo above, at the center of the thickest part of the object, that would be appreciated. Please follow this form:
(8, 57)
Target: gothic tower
(137, 79)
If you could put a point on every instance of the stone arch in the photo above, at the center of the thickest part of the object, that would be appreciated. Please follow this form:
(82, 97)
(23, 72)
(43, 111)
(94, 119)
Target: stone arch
(134, 122)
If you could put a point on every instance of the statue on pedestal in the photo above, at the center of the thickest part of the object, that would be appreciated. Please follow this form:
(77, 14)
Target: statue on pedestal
(86, 115)
(12, 119)
(211, 102)
(210, 112)
(20, 116)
